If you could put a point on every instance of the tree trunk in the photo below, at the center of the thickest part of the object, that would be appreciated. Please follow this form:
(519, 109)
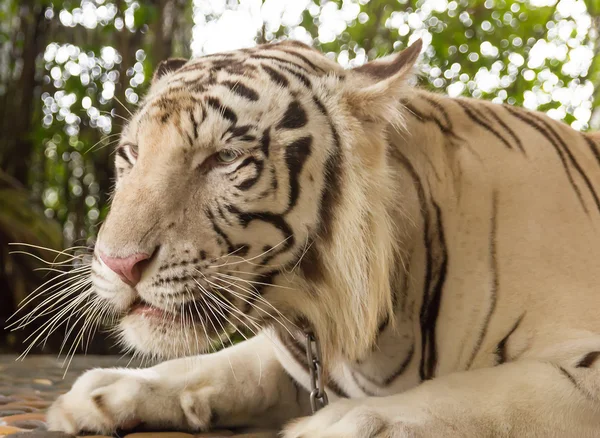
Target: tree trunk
(23, 93)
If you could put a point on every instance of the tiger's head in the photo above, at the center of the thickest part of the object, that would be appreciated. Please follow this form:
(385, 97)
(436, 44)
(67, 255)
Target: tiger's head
(252, 189)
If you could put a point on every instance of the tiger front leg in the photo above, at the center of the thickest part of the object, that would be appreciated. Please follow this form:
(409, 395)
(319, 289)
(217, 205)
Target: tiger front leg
(525, 398)
(242, 386)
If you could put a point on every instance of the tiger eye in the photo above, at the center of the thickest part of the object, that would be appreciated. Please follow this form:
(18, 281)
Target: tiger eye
(133, 150)
(227, 156)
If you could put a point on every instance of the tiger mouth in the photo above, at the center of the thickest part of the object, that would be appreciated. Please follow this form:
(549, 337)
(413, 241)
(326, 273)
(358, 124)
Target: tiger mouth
(188, 313)
(145, 309)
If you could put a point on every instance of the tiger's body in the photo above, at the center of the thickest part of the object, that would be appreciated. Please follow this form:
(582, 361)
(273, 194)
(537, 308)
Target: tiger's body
(444, 252)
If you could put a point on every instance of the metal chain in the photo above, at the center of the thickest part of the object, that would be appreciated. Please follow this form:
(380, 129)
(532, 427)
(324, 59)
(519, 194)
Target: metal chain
(318, 396)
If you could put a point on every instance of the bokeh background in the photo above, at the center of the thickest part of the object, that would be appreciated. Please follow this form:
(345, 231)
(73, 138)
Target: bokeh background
(71, 72)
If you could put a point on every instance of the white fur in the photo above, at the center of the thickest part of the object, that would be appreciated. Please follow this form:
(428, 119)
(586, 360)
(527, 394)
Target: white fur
(520, 251)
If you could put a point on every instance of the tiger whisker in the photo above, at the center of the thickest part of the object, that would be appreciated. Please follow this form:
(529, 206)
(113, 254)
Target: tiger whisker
(93, 310)
(277, 286)
(63, 252)
(70, 257)
(49, 304)
(66, 285)
(235, 271)
(115, 115)
(255, 293)
(102, 140)
(244, 260)
(84, 314)
(209, 307)
(234, 310)
(56, 321)
(254, 304)
(230, 253)
(124, 107)
(208, 342)
(304, 252)
(275, 345)
(52, 326)
(41, 290)
(191, 320)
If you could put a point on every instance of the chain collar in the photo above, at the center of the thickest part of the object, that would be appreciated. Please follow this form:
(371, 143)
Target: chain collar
(318, 396)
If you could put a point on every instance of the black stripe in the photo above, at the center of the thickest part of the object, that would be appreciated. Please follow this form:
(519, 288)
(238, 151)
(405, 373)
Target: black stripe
(121, 153)
(247, 184)
(302, 78)
(187, 135)
(394, 292)
(593, 147)
(237, 131)
(296, 155)
(390, 379)
(430, 306)
(588, 360)
(428, 118)
(294, 117)
(424, 316)
(501, 348)
(267, 279)
(477, 118)
(265, 142)
(276, 76)
(524, 117)
(303, 58)
(494, 273)
(275, 220)
(241, 90)
(507, 129)
(194, 123)
(220, 211)
(219, 231)
(330, 194)
(431, 301)
(274, 183)
(568, 375)
(575, 383)
(402, 368)
(226, 112)
(247, 161)
(574, 161)
(280, 60)
(441, 109)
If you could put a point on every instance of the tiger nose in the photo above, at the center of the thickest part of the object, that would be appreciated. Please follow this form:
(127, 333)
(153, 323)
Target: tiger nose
(129, 269)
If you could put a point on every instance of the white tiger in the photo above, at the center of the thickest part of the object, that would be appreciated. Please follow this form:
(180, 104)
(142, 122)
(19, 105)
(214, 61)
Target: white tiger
(444, 252)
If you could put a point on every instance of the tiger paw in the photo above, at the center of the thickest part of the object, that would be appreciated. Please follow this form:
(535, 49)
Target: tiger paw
(103, 400)
(353, 419)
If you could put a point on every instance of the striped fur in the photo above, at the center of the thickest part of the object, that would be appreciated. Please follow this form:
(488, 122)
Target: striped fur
(440, 249)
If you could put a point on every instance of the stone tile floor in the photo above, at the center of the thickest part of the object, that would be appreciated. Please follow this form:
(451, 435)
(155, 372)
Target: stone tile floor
(28, 387)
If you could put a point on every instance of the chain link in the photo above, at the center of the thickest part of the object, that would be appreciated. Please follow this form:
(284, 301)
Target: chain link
(318, 396)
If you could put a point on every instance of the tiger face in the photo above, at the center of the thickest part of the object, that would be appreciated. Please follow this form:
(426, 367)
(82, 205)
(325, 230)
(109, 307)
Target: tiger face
(230, 177)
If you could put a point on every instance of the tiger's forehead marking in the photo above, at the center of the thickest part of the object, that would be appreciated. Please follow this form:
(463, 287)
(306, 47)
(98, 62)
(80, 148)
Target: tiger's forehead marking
(239, 71)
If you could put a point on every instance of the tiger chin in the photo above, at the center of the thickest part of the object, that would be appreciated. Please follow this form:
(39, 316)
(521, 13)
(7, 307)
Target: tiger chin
(444, 253)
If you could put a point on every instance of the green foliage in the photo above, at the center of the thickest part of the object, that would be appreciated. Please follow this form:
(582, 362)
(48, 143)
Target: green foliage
(22, 222)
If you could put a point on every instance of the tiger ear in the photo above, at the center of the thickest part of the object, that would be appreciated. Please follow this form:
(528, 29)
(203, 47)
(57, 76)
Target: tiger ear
(167, 66)
(377, 86)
